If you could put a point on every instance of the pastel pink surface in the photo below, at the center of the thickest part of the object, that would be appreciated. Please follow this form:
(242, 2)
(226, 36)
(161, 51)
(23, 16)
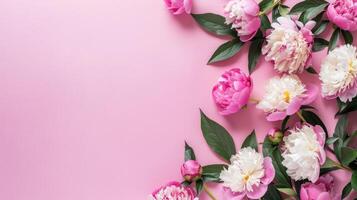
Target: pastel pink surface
(98, 96)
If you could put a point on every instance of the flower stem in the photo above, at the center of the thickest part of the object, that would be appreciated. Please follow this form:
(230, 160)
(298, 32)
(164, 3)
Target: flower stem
(300, 116)
(209, 193)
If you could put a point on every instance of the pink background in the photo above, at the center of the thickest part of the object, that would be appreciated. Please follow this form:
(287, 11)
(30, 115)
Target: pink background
(98, 96)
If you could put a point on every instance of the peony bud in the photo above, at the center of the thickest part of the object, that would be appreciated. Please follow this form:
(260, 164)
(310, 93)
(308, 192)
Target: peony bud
(275, 135)
(191, 170)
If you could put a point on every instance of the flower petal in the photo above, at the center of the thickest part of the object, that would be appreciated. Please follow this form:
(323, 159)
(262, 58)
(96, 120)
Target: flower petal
(268, 170)
(294, 106)
(276, 116)
(312, 92)
(258, 191)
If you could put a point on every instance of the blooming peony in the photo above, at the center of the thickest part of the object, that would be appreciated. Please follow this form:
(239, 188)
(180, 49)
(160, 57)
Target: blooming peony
(232, 91)
(173, 191)
(244, 17)
(191, 170)
(339, 73)
(322, 189)
(179, 6)
(289, 45)
(249, 174)
(304, 152)
(284, 96)
(343, 13)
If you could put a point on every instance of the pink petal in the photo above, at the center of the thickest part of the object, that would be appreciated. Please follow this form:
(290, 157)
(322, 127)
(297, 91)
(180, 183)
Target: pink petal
(251, 7)
(268, 170)
(294, 106)
(303, 194)
(320, 134)
(312, 92)
(245, 38)
(229, 195)
(342, 22)
(258, 191)
(188, 6)
(276, 116)
(323, 196)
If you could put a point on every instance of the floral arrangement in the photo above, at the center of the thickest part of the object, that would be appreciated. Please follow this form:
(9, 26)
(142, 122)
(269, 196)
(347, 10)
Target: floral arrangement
(293, 163)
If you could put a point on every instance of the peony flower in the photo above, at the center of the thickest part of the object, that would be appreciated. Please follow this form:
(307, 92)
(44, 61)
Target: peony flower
(284, 96)
(275, 135)
(343, 13)
(173, 191)
(304, 152)
(289, 45)
(232, 91)
(179, 6)
(322, 189)
(339, 73)
(191, 170)
(249, 174)
(244, 17)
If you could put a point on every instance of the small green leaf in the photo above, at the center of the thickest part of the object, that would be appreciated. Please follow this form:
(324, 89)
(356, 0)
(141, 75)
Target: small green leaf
(266, 5)
(283, 9)
(347, 36)
(213, 23)
(313, 119)
(272, 193)
(251, 141)
(314, 11)
(284, 123)
(311, 70)
(348, 155)
(340, 132)
(212, 172)
(226, 50)
(346, 190)
(287, 191)
(254, 53)
(275, 13)
(354, 180)
(345, 108)
(217, 138)
(265, 23)
(331, 140)
(334, 39)
(320, 28)
(319, 44)
(328, 166)
(199, 186)
(307, 4)
(189, 153)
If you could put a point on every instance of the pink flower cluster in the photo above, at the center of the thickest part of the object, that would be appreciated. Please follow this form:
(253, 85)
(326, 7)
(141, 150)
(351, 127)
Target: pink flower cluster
(179, 6)
(343, 13)
(173, 190)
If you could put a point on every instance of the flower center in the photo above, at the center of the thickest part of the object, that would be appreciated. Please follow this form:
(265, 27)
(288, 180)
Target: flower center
(351, 69)
(245, 178)
(286, 96)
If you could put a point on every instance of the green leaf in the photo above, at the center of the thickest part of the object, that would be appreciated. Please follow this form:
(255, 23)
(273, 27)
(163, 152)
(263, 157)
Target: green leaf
(281, 178)
(212, 172)
(251, 141)
(347, 36)
(334, 39)
(346, 190)
(214, 23)
(217, 138)
(189, 153)
(345, 108)
(275, 13)
(314, 11)
(272, 193)
(354, 180)
(283, 9)
(307, 4)
(284, 123)
(340, 132)
(254, 53)
(311, 70)
(331, 140)
(348, 155)
(265, 23)
(266, 5)
(226, 50)
(320, 28)
(287, 191)
(313, 119)
(328, 166)
(199, 186)
(319, 44)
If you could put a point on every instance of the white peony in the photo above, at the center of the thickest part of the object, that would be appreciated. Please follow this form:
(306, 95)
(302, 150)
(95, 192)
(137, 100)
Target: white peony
(288, 47)
(245, 171)
(304, 152)
(279, 93)
(339, 73)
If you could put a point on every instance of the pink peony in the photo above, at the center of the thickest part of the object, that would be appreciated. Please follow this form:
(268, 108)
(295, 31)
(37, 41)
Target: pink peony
(179, 6)
(322, 189)
(343, 13)
(191, 170)
(173, 190)
(289, 45)
(244, 17)
(232, 91)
